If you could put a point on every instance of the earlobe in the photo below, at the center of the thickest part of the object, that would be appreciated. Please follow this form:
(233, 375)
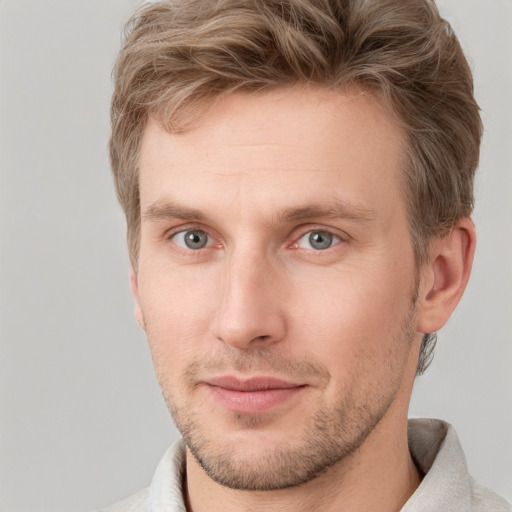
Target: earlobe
(445, 276)
(134, 287)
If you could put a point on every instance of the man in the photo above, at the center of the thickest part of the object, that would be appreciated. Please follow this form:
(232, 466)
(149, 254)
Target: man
(297, 180)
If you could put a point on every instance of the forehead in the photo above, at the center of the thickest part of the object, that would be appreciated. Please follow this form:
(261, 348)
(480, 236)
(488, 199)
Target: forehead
(252, 147)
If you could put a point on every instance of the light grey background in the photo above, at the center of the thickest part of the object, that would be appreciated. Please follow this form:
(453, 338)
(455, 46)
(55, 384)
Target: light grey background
(82, 421)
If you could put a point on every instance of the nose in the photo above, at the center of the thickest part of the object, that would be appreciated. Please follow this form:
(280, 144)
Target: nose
(251, 312)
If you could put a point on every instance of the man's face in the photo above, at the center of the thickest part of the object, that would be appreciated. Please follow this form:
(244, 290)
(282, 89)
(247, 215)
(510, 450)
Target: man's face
(276, 281)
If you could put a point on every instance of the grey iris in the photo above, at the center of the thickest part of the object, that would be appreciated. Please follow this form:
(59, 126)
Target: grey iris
(320, 240)
(196, 239)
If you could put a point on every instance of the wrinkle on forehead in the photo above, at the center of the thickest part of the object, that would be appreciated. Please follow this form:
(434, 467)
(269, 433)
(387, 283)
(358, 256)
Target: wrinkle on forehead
(330, 208)
(241, 155)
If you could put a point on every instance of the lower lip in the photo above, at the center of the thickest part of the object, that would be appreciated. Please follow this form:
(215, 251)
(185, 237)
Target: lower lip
(253, 402)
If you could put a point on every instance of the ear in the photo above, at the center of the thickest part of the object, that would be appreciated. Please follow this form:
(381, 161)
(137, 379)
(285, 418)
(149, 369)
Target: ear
(134, 287)
(444, 277)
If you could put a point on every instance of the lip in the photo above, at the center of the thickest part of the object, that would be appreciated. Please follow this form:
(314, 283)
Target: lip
(253, 395)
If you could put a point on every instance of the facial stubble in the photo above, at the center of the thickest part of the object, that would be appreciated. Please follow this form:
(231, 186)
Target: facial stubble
(328, 436)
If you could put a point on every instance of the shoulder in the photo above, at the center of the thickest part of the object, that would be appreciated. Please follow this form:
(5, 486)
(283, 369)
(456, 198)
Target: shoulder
(165, 491)
(484, 500)
(138, 502)
(447, 484)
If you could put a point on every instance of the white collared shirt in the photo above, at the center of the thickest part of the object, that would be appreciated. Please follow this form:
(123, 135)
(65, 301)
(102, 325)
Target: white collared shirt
(434, 445)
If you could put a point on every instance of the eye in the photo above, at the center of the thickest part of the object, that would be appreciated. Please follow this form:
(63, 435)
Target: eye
(193, 239)
(317, 240)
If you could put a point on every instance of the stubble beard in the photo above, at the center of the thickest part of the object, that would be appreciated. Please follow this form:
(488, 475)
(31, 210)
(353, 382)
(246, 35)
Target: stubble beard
(328, 437)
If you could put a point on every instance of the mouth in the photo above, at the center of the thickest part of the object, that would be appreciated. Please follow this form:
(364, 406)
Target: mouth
(254, 395)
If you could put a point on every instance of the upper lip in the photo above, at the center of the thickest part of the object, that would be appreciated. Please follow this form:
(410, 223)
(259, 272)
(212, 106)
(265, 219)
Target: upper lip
(258, 383)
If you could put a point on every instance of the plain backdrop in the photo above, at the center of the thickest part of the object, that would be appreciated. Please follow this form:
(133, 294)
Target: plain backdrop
(82, 420)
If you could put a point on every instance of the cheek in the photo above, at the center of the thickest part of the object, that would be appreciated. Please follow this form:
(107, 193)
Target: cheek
(177, 311)
(354, 320)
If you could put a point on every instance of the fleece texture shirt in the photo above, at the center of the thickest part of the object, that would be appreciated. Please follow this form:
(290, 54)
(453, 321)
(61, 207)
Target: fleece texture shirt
(434, 446)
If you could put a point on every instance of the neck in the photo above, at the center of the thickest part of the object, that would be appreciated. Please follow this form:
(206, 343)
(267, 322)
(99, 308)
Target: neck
(379, 475)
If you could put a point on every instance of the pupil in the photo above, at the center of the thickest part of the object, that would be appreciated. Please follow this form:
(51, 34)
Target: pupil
(195, 239)
(320, 240)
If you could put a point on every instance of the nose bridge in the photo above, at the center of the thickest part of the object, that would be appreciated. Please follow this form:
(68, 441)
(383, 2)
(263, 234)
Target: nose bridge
(250, 311)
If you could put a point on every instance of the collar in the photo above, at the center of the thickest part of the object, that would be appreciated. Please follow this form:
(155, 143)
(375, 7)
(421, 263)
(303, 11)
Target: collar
(434, 446)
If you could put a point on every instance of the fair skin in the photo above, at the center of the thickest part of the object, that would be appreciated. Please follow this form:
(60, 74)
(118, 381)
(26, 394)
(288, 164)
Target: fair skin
(278, 289)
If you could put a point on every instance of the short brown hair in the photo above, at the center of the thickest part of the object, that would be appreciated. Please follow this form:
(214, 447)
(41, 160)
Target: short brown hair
(180, 54)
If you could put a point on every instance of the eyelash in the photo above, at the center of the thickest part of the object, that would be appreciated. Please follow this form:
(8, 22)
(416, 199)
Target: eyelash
(337, 236)
(182, 230)
(335, 239)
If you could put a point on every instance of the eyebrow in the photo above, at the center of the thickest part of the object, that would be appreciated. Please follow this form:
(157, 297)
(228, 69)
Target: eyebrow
(334, 209)
(169, 210)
